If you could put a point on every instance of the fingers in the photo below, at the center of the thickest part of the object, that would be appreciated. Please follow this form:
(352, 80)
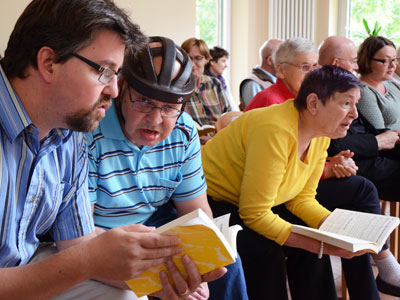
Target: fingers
(345, 153)
(137, 228)
(150, 240)
(213, 275)
(341, 171)
(191, 288)
(181, 286)
(168, 291)
(333, 250)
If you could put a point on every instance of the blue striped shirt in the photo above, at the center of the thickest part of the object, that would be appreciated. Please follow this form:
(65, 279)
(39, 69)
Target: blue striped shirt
(43, 184)
(128, 184)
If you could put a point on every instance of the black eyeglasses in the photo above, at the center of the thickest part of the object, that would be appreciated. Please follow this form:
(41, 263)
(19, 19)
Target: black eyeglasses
(143, 105)
(106, 74)
(387, 62)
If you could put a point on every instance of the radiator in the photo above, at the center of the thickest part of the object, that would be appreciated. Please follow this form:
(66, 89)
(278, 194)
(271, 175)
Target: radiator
(291, 18)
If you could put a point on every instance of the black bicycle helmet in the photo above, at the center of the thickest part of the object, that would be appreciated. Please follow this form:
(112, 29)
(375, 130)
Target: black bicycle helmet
(138, 71)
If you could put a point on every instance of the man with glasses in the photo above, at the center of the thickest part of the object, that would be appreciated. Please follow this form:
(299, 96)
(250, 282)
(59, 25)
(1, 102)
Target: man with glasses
(376, 153)
(55, 80)
(144, 158)
(338, 51)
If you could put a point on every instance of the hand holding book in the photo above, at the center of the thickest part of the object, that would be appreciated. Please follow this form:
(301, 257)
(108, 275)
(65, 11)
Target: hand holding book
(201, 239)
(352, 231)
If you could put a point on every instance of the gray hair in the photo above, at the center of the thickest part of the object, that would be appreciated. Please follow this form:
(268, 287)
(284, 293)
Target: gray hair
(290, 48)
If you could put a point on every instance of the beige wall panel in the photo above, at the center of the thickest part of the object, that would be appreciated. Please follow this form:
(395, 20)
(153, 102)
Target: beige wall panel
(173, 18)
(9, 13)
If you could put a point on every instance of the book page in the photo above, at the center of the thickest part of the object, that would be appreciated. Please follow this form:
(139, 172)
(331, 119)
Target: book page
(222, 223)
(364, 226)
(229, 232)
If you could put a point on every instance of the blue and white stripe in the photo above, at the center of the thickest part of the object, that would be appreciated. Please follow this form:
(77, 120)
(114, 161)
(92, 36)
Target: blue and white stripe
(43, 185)
(128, 184)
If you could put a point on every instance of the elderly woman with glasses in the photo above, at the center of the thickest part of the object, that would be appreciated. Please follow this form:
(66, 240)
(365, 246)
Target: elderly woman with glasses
(380, 98)
(293, 60)
(264, 168)
(338, 189)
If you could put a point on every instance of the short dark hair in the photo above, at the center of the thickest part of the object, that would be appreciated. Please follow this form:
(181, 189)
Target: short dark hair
(325, 82)
(367, 50)
(216, 53)
(66, 26)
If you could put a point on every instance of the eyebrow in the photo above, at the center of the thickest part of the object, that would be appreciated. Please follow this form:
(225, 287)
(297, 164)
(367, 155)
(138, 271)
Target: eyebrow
(109, 63)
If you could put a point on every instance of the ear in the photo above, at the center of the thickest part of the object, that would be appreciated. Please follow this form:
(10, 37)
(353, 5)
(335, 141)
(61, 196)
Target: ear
(281, 71)
(312, 103)
(45, 59)
(269, 60)
(335, 62)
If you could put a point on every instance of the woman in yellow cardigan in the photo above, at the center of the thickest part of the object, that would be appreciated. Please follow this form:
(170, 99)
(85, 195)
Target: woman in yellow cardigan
(264, 169)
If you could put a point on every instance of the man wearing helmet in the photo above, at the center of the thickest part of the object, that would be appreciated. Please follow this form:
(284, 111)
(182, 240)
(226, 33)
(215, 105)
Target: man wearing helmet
(146, 152)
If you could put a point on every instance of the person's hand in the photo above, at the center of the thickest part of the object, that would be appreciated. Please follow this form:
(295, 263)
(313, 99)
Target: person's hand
(336, 251)
(341, 165)
(387, 140)
(193, 288)
(126, 252)
(312, 245)
(204, 139)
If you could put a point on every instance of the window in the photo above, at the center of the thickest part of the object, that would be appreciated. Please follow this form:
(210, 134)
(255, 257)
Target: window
(385, 12)
(212, 19)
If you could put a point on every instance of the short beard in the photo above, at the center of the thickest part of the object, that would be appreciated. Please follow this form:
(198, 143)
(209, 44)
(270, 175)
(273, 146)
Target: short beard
(86, 120)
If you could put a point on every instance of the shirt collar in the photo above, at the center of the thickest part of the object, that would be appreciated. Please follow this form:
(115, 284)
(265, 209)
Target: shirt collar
(13, 116)
(273, 77)
(110, 126)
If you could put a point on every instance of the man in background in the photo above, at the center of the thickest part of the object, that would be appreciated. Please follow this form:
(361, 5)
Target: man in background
(376, 153)
(261, 76)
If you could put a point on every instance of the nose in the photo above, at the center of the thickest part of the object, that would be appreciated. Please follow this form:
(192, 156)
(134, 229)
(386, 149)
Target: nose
(111, 88)
(155, 116)
(353, 112)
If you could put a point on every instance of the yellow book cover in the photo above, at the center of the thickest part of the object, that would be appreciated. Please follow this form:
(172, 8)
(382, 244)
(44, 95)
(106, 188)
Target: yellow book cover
(210, 245)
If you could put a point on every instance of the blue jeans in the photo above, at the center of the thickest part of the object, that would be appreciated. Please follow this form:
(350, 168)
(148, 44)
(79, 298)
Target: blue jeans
(231, 286)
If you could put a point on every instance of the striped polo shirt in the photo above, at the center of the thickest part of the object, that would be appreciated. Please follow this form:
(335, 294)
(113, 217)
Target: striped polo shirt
(43, 184)
(128, 184)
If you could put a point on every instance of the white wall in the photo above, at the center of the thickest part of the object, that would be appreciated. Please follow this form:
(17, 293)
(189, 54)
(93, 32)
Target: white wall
(175, 19)
(9, 13)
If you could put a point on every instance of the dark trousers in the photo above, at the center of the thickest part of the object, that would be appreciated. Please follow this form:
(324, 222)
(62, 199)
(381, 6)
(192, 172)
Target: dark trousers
(359, 194)
(267, 265)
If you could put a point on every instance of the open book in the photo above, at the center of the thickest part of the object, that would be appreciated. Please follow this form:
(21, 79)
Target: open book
(210, 244)
(352, 230)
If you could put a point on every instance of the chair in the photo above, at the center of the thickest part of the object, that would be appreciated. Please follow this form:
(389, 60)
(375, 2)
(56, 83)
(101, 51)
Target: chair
(394, 239)
(395, 236)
